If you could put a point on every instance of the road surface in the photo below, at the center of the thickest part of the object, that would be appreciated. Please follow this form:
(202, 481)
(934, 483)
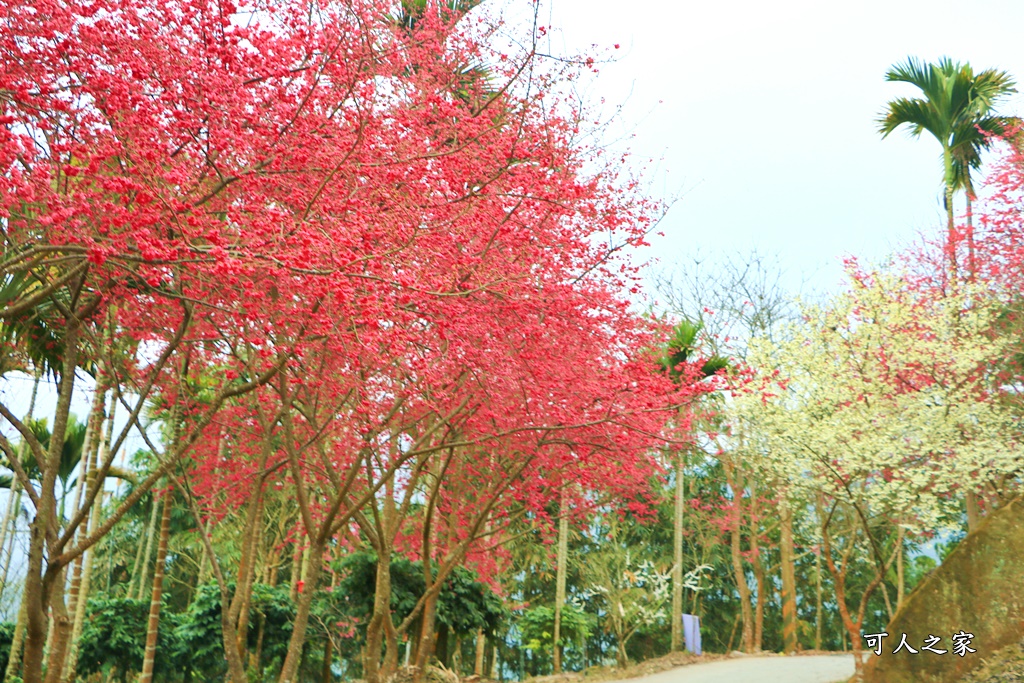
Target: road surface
(801, 669)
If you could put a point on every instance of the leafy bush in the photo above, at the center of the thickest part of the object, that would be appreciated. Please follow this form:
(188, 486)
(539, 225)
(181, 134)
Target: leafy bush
(6, 638)
(113, 636)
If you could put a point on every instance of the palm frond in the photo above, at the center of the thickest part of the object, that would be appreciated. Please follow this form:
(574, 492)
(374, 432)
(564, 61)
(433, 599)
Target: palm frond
(71, 452)
(970, 139)
(912, 71)
(915, 113)
(681, 349)
(412, 11)
(991, 86)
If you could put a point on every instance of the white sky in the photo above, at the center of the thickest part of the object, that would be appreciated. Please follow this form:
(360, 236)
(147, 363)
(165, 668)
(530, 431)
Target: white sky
(766, 121)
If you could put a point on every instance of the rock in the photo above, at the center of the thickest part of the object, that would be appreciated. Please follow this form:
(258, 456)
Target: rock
(979, 589)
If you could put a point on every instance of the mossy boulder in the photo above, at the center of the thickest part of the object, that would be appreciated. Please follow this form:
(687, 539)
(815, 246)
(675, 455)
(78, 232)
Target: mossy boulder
(979, 589)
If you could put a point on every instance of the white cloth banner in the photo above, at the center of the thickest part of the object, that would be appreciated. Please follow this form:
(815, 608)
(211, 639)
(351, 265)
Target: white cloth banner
(691, 632)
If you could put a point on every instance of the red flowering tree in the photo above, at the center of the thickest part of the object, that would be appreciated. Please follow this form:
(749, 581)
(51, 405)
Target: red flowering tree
(348, 259)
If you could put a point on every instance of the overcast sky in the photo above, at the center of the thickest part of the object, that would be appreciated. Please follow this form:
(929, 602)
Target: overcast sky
(766, 122)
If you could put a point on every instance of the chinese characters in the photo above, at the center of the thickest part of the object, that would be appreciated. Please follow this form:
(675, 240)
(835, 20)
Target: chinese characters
(961, 644)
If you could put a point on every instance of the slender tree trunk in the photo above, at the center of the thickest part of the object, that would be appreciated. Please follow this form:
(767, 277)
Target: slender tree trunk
(325, 672)
(256, 655)
(817, 601)
(8, 512)
(381, 612)
(14, 659)
(153, 627)
(239, 608)
(851, 627)
(14, 498)
(76, 567)
(970, 237)
(205, 566)
(390, 649)
(139, 551)
(40, 582)
(973, 512)
(97, 446)
(87, 462)
(204, 561)
(732, 633)
(83, 597)
(740, 574)
(296, 571)
(243, 615)
(788, 572)
(887, 601)
(758, 566)
(677, 567)
(236, 668)
(151, 532)
(16, 501)
(481, 643)
(947, 160)
(427, 638)
(900, 582)
(839, 574)
(15, 482)
(621, 655)
(60, 627)
(563, 553)
(739, 571)
(93, 438)
(290, 669)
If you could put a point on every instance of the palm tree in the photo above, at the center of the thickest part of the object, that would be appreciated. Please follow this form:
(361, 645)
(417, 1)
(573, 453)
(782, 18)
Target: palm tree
(958, 109)
(70, 457)
(678, 360)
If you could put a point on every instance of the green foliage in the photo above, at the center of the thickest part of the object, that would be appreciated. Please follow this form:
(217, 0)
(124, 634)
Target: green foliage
(70, 455)
(680, 351)
(200, 632)
(537, 626)
(918, 568)
(944, 548)
(190, 642)
(273, 607)
(6, 638)
(465, 605)
(357, 586)
(35, 336)
(113, 636)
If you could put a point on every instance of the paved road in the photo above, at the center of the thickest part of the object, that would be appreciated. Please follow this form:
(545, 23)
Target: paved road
(809, 669)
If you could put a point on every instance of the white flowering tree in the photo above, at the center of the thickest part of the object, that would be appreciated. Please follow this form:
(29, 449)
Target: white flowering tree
(885, 407)
(626, 580)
